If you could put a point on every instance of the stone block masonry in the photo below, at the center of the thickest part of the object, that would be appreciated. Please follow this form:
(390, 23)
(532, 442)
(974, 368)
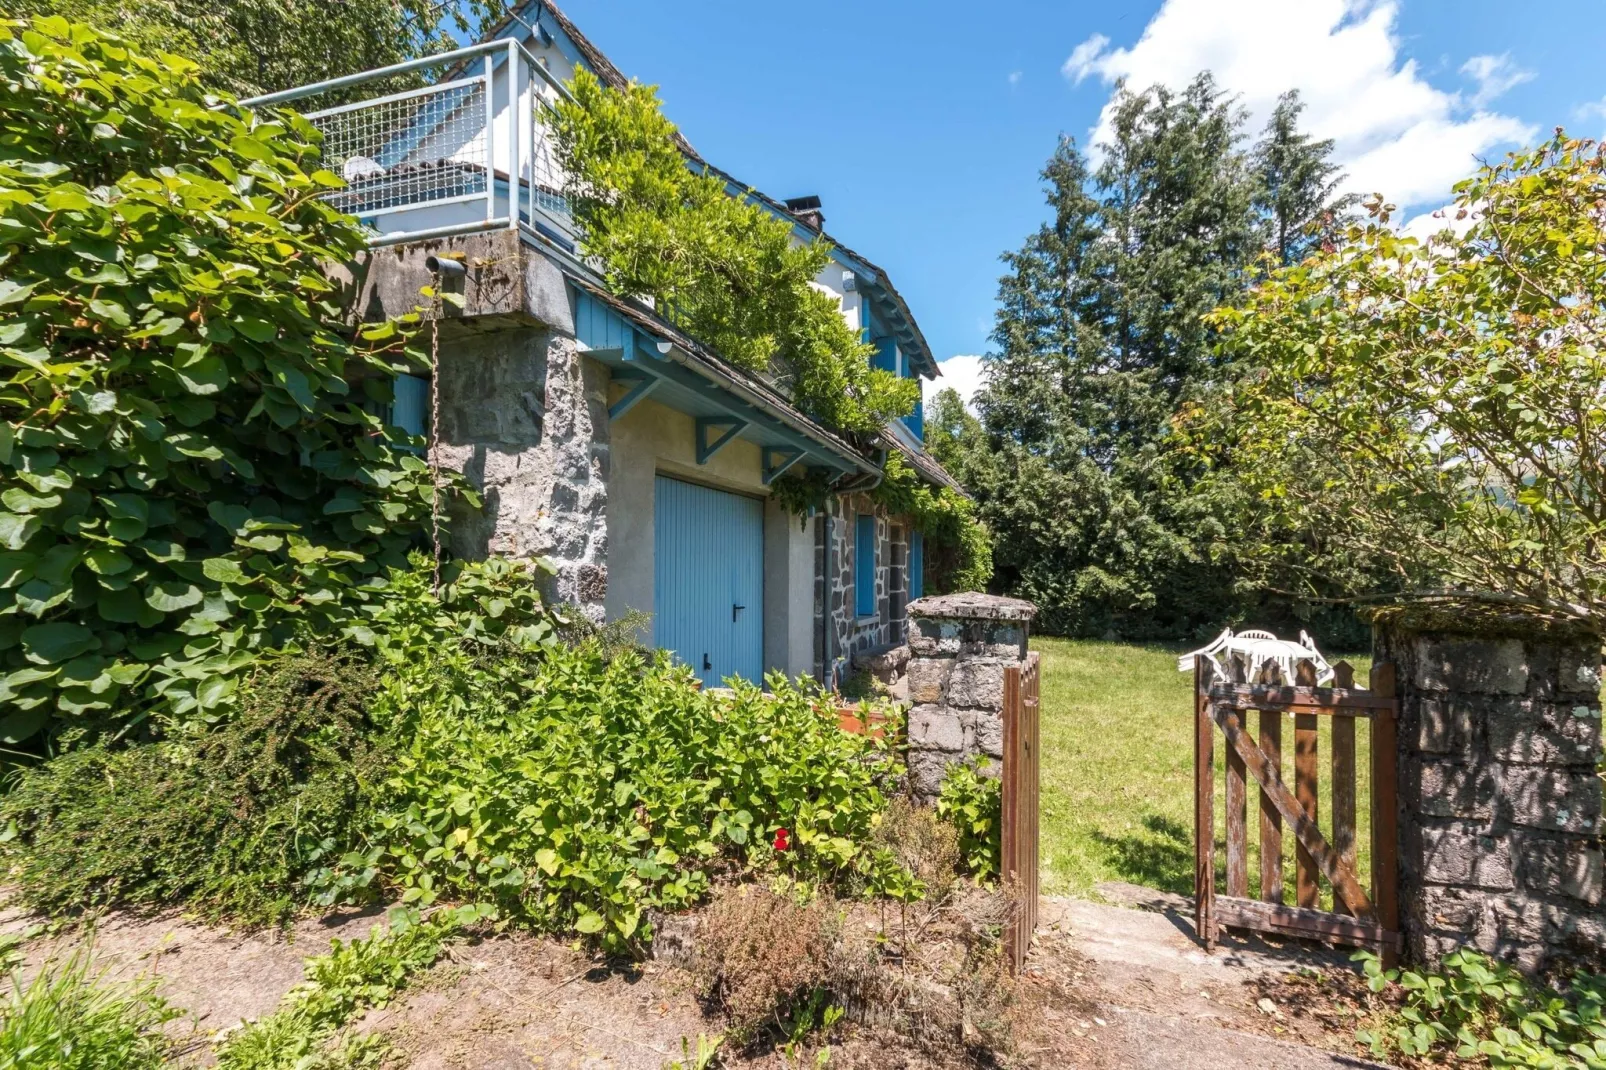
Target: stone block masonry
(959, 648)
(1500, 794)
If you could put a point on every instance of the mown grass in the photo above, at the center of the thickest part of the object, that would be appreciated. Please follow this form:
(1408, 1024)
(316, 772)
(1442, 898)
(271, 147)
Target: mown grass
(1117, 795)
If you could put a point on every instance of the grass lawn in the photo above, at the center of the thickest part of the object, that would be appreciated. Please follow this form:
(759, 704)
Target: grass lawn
(1118, 770)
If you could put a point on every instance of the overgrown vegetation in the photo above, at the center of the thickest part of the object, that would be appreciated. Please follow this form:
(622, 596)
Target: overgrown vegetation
(1434, 407)
(719, 266)
(1483, 1012)
(958, 547)
(232, 823)
(67, 1018)
(972, 803)
(192, 477)
(575, 793)
(305, 1030)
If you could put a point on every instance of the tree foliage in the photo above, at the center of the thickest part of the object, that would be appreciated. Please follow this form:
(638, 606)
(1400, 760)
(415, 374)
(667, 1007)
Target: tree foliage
(1101, 335)
(1436, 407)
(719, 266)
(191, 477)
(259, 46)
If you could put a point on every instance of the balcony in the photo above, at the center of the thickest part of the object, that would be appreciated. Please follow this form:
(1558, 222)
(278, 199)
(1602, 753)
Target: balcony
(458, 143)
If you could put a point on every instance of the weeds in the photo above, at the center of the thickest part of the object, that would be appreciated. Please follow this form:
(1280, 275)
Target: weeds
(1478, 1009)
(352, 977)
(67, 1019)
(973, 804)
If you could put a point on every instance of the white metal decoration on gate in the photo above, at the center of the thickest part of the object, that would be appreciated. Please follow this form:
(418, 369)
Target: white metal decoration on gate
(1252, 651)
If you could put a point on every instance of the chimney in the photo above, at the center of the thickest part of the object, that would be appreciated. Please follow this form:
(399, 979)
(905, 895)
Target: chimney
(807, 210)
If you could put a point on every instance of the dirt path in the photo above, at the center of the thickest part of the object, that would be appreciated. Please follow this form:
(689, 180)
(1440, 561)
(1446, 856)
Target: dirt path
(1108, 988)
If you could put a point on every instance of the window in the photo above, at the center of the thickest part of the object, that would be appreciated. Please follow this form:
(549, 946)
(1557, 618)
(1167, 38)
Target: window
(864, 566)
(917, 566)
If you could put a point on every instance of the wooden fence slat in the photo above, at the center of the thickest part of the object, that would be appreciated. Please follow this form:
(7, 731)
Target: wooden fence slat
(1204, 819)
(1305, 830)
(1271, 820)
(1010, 805)
(1306, 888)
(1343, 769)
(1237, 827)
(1385, 832)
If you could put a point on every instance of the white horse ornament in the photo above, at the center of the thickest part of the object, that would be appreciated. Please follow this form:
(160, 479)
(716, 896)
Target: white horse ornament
(1251, 651)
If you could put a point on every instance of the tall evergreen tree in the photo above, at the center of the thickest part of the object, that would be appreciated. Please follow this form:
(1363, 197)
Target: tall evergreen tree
(1300, 186)
(1100, 339)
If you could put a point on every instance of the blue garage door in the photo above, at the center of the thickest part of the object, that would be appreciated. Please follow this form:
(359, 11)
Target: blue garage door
(708, 587)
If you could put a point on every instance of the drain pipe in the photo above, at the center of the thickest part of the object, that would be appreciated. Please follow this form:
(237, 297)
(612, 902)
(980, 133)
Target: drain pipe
(447, 266)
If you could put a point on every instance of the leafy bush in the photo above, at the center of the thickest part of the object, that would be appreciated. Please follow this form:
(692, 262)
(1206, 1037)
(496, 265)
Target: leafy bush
(351, 978)
(191, 477)
(973, 804)
(65, 1018)
(1481, 1010)
(233, 821)
(575, 792)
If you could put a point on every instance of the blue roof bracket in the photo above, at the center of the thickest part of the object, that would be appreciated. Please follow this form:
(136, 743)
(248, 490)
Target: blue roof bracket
(643, 385)
(706, 448)
(777, 461)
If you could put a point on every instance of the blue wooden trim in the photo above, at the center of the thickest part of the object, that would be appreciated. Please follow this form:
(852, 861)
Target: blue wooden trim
(777, 462)
(644, 386)
(707, 449)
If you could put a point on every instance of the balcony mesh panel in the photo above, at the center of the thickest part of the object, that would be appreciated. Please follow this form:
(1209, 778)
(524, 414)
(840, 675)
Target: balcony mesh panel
(414, 151)
(547, 175)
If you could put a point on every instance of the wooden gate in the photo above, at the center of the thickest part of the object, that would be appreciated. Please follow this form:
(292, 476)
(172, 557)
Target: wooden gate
(1360, 917)
(1022, 777)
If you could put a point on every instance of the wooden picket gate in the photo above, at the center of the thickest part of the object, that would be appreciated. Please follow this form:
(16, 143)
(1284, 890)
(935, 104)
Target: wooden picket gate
(1359, 917)
(1022, 774)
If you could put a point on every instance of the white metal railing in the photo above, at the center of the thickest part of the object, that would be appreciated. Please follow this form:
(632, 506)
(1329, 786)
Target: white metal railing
(470, 151)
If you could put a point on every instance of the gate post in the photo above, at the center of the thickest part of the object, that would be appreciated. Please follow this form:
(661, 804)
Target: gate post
(1500, 800)
(960, 646)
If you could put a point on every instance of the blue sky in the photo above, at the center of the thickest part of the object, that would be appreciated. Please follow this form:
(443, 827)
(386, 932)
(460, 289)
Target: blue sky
(923, 125)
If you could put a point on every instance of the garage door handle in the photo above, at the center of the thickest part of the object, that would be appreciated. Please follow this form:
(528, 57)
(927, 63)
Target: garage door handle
(735, 609)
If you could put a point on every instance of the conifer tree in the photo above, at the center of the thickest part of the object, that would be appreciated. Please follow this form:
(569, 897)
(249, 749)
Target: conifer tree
(1300, 185)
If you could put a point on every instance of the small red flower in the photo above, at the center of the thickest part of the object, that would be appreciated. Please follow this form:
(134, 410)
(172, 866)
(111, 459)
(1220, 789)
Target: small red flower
(783, 840)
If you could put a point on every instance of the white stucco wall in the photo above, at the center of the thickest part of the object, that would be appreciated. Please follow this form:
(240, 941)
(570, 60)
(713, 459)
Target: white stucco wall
(652, 440)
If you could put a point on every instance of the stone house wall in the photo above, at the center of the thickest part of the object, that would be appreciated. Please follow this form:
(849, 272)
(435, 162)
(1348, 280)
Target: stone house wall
(840, 632)
(1500, 798)
(525, 418)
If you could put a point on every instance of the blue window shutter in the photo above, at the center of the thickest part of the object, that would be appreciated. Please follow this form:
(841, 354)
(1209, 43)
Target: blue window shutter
(916, 420)
(917, 566)
(410, 411)
(864, 566)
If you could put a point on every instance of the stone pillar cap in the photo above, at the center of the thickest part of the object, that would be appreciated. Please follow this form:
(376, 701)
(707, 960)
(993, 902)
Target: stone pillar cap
(973, 605)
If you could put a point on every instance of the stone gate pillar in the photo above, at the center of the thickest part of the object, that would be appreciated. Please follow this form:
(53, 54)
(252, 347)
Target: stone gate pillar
(959, 647)
(1500, 797)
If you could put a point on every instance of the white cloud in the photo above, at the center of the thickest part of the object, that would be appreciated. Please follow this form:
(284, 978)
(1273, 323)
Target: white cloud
(1394, 132)
(1014, 77)
(1084, 59)
(964, 374)
(1594, 110)
(1495, 75)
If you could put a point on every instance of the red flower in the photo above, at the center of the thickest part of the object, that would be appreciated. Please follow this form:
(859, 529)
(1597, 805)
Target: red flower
(782, 840)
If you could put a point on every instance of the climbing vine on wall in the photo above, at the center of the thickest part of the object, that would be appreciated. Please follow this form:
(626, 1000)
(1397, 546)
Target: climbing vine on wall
(720, 267)
(959, 550)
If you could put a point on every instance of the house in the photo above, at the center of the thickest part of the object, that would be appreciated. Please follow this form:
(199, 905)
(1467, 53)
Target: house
(602, 436)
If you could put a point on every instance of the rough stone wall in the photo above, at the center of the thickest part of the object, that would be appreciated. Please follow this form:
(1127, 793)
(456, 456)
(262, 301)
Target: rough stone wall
(837, 624)
(524, 417)
(959, 648)
(1500, 798)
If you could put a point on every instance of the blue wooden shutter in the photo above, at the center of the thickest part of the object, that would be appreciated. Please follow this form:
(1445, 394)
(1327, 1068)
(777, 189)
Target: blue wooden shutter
(410, 410)
(917, 566)
(864, 566)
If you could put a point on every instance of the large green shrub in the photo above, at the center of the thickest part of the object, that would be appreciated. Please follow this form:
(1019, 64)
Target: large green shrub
(190, 477)
(576, 792)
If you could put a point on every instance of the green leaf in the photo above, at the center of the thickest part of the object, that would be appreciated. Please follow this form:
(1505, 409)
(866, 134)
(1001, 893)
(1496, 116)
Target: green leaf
(223, 570)
(209, 375)
(171, 595)
(107, 562)
(589, 923)
(58, 641)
